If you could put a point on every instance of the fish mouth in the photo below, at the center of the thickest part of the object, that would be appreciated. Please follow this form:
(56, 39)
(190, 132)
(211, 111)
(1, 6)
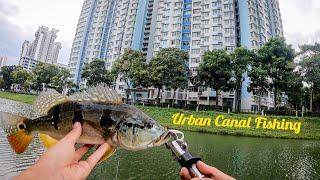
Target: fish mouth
(162, 139)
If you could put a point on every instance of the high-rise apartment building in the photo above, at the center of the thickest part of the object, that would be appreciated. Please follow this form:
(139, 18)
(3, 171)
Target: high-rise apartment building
(107, 27)
(42, 49)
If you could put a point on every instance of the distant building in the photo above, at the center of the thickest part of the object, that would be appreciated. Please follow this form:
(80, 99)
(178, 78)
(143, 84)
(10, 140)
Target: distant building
(3, 61)
(42, 49)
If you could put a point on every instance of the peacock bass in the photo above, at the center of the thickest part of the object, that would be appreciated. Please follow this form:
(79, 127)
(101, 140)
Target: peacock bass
(100, 110)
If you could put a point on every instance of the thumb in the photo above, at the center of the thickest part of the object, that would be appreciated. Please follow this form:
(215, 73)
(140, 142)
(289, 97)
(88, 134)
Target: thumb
(73, 135)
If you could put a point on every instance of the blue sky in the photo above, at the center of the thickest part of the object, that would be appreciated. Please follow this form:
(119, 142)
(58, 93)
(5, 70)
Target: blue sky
(19, 19)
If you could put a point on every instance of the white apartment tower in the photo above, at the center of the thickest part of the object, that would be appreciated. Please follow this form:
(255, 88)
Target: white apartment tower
(107, 27)
(42, 49)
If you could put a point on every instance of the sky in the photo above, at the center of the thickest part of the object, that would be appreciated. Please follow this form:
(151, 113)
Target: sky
(20, 19)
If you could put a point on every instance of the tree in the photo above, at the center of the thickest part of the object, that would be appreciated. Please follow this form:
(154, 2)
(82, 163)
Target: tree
(43, 74)
(278, 57)
(296, 90)
(309, 65)
(96, 73)
(169, 68)
(258, 74)
(61, 80)
(310, 71)
(7, 75)
(22, 77)
(132, 67)
(240, 60)
(2, 83)
(215, 71)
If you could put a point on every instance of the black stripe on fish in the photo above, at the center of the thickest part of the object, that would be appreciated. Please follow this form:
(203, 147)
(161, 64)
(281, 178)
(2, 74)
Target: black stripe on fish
(77, 114)
(106, 121)
(56, 117)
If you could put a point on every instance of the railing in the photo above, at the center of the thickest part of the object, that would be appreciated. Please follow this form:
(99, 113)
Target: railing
(200, 107)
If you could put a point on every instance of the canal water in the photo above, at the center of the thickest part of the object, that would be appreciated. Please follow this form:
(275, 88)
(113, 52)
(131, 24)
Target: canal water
(240, 157)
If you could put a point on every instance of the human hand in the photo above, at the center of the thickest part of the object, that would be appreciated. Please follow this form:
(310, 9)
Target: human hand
(63, 161)
(208, 171)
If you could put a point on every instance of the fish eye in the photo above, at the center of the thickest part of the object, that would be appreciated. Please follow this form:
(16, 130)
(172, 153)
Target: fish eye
(129, 125)
(21, 126)
(149, 126)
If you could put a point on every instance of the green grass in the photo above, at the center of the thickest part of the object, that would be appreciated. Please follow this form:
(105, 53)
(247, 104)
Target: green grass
(310, 128)
(18, 97)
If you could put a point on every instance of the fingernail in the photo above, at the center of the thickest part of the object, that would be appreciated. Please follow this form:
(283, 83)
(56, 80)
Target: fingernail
(76, 124)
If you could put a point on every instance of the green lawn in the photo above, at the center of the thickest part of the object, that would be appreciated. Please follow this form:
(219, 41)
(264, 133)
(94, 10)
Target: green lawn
(18, 97)
(310, 128)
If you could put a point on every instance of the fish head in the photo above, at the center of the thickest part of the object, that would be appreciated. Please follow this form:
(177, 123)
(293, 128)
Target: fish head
(138, 131)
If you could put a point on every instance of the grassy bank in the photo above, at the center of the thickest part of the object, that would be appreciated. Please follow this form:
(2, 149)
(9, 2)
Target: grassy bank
(18, 97)
(310, 127)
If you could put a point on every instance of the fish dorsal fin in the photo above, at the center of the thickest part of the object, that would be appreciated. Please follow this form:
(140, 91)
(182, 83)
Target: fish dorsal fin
(49, 99)
(47, 140)
(100, 94)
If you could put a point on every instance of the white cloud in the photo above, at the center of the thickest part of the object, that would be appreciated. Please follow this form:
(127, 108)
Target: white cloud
(301, 21)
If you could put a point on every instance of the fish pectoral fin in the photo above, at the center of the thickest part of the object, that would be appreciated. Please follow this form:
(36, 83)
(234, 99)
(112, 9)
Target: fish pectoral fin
(19, 141)
(107, 154)
(47, 140)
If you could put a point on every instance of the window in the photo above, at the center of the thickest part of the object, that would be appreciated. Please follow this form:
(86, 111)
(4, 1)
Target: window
(187, 27)
(196, 18)
(227, 6)
(186, 43)
(229, 39)
(229, 30)
(196, 26)
(217, 37)
(187, 20)
(195, 60)
(206, 30)
(196, 34)
(205, 39)
(195, 51)
(186, 35)
(217, 20)
(196, 42)
(228, 14)
(229, 48)
(205, 22)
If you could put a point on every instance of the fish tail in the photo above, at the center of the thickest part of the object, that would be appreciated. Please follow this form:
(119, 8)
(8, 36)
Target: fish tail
(15, 127)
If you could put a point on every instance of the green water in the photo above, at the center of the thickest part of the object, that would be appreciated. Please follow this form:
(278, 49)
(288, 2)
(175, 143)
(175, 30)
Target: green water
(240, 157)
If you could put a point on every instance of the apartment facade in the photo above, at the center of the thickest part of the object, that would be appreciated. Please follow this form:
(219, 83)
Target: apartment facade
(42, 49)
(107, 27)
(197, 26)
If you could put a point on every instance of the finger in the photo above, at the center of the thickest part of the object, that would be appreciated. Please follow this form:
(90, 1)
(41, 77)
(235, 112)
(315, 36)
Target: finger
(73, 135)
(184, 174)
(207, 170)
(82, 151)
(97, 155)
